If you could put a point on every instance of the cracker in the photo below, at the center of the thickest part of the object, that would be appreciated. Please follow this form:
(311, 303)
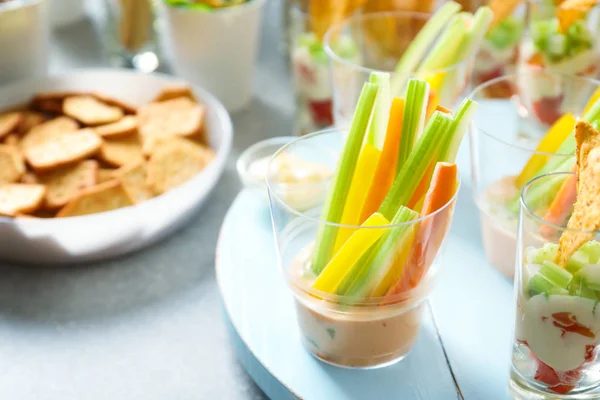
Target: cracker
(101, 198)
(63, 184)
(585, 219)
(18, 198)
(65, 149)
(502, 9)
(48, 131)
(570, 11)
(125, 126)
(174, 161)
(177, 117)
(174, 92)
(134, 177)
(90, 110)
(121, 151)
(12, 166)
(30, 178)
(9, 122)
(12, 140)
(30, 120)
(111, 101)
(105, 175)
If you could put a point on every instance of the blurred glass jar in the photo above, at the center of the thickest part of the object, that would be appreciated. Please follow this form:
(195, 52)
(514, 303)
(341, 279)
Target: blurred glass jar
(127, 29)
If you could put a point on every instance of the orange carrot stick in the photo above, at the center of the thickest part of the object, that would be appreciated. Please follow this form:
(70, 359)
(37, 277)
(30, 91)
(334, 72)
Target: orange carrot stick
(432, 230)
(561, 206)
(386, 168)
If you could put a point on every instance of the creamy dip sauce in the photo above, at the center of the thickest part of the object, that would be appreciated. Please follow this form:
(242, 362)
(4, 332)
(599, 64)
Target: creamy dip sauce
(353, 336)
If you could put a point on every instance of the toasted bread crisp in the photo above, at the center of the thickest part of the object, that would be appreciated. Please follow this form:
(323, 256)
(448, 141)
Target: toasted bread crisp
(111, 101)
(174, 161)
(12, 166)
(9, 122)
(12, 140)
(125, 126)
(570, 11)
(29, 178)
(101, 198)
(121, 151)
(177, 117)
(105, 175)
(18, 198)
(30, 119)
(585, 219)
(65, 149)
(64, 184)
(134, 177)
(174, 92)
(48, 131)
(90, 110)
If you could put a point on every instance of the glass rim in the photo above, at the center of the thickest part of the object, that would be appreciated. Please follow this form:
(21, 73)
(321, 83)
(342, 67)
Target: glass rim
(512, 77)
(418, 294)
(541, 220)
(298, 213)
(339, 26)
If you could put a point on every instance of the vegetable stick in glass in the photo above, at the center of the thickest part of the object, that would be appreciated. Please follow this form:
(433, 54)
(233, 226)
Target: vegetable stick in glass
(381, 110)
(561, 206)
(386, 168)
(431, 231)
(413, 121)
(342, 178)
(350, 253)
(462, 118)
(363, 176)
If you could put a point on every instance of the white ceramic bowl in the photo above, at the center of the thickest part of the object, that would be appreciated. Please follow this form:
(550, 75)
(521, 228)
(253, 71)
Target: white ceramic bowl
(110, 234)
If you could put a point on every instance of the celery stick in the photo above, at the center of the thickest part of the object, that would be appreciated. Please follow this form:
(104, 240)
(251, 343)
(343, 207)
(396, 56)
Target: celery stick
(462, 120)
(592, 250)
(420, 44)
(415, 167)
(362, 278)
(415, 110)
(340, 182)
(445, 48)
(577, 262)
(539, 284)
(555, 274)
(454, 79)
(381, 112)
(545, 253)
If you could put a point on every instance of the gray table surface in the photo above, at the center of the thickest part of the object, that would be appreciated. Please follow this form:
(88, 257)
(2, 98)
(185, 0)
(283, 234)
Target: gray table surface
(150, 325)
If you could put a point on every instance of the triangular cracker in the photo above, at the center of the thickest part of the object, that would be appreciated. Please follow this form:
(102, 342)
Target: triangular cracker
(107, 196)
(585, 219)
(134, 177)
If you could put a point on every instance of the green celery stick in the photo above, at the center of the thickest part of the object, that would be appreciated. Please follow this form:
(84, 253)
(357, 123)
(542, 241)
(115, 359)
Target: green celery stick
(420, 44)
(462, 120)
(555, 274)
(415, 110)
(340, 182)
(541, 194)
(445, 48)
(364, 275)
(415, 167)
(539, 284)
(469, 46)
(592, 250)
(558, 291)
(545, 253)
(577, 261)
(381, 113)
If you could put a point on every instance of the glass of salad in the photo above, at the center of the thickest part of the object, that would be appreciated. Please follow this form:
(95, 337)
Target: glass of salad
(499, 51)
(509, 146)
(557, 39)
(556, 336)
(439, 48)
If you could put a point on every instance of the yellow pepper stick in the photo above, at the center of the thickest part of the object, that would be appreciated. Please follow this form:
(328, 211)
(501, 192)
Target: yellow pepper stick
(593, 99)
(549, 144)
(359, 189)
(354, 248)
(435, 83)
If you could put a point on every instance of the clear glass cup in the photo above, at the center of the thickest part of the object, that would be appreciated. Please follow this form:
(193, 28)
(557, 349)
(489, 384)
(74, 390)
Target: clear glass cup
(555, 347)
(369, 330)
(127, 29)
(545, 48)
(367, 43)
(504, 136)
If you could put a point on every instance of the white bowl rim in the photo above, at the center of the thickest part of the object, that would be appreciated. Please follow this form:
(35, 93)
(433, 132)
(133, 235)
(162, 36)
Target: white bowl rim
(18, 4)
(205, 97)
